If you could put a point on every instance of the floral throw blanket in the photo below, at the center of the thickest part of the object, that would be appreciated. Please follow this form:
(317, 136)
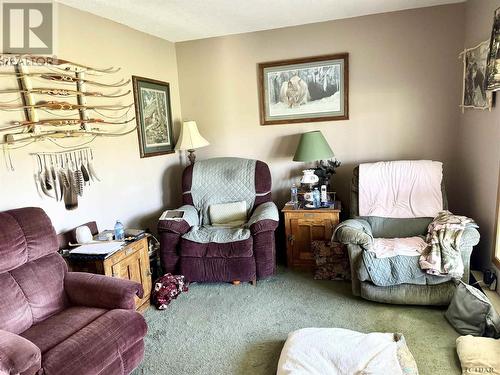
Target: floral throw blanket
(442, 257)
(167, 288)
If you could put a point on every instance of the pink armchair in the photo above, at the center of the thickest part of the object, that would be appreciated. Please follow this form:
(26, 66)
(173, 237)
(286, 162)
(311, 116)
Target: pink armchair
(58, 322)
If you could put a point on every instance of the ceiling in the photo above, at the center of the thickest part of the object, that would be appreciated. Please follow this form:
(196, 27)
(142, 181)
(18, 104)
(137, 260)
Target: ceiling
(181, 20)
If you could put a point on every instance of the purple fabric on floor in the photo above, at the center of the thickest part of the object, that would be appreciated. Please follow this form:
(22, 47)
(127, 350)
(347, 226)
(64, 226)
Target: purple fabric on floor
(167, 288)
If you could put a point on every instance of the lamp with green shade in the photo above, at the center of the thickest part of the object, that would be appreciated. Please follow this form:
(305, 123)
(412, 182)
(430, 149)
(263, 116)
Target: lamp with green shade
(312, 147)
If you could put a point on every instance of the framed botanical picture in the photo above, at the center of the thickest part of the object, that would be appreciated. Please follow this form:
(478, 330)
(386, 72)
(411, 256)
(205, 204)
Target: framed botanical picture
(474, 90)
(493, 65)
(154, 116)
(304, 90)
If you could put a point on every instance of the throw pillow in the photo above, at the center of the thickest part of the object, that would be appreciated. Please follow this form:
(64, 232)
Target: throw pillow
(167, 288)
(332, 261)
(232, 214)
(471, 313)
(479, 355)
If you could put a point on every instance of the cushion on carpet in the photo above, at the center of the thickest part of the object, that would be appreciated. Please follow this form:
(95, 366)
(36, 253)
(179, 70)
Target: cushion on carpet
(332, 261)
(479, 355)
(471, 312)
(337, 351)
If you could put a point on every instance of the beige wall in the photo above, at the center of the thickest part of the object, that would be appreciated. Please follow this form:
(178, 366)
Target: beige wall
(479, 144)
(404, 90)
(132, 189)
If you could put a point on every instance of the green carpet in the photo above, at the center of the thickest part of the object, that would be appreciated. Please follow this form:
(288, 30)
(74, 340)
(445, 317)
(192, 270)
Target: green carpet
(225, 329)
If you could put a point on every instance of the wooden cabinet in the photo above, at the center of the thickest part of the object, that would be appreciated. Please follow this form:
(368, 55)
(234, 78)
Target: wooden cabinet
(302, 226)
(131, 262)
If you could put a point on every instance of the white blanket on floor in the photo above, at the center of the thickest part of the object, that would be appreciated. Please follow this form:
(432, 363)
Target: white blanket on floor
(336, 351)
(390, 247)
(400, 189)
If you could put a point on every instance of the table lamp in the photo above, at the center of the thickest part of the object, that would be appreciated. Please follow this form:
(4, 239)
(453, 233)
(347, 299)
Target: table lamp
(312, 147)
(190, 139)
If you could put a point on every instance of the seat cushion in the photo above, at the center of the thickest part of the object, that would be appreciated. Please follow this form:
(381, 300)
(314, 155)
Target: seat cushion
(389, 247)
(396, 270)
(208, 233)
(97, 345)
(54, 330)
(236, 249)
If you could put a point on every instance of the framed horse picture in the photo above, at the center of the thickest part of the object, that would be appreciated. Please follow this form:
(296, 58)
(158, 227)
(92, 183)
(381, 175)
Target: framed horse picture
(154, 116)
(304, 90)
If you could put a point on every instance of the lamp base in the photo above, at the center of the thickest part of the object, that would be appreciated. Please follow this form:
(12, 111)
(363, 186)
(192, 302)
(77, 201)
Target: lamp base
(191, 156)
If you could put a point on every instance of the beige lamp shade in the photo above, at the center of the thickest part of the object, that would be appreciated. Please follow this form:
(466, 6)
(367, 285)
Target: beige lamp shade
(190, 137)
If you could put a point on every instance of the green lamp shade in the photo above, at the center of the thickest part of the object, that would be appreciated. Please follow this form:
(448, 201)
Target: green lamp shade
(313, 146)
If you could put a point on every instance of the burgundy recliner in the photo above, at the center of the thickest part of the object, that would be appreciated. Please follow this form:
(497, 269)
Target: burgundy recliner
(57, 322)
(200, 251)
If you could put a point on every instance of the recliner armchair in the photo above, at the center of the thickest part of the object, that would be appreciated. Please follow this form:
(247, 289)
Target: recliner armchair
(201, 251)
(419, 288)
(58, 322)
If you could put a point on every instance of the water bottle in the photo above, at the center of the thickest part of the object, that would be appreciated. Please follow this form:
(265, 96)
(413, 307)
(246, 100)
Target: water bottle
(294, 195)
(316, 198)
(119, 231)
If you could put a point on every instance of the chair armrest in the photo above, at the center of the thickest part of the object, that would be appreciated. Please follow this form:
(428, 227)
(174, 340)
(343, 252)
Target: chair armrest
(18, 355)
(470, 237)
(354, 232)
(264, 218)
(88, 289)
(180, 226)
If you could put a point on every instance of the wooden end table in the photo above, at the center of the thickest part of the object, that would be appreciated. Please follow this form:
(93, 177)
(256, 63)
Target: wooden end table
(130, 262)
(302, 226)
